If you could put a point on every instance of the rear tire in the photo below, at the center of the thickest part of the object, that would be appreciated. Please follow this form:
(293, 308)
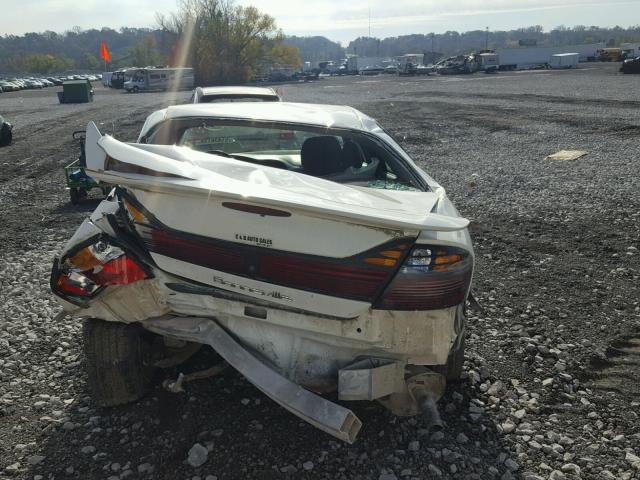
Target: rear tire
(117, 357)
(5, 136)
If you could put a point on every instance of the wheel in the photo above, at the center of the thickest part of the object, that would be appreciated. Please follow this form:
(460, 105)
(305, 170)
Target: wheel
(116, 356)
(74, 196)
(135, 89)
(6, 136)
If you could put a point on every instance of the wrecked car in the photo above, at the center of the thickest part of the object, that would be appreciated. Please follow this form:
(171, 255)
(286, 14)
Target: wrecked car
(6, 132)
(631, 65)
(461, 64)
(234, 94)
(299, 241)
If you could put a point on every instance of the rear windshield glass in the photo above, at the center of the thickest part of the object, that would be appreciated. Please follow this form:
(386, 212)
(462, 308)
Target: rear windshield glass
(237, 98)
(342, 156)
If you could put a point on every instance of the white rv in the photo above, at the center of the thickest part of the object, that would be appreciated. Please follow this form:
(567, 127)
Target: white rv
(139, 79)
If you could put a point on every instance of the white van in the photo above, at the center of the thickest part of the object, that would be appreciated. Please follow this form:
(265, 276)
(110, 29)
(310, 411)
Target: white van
(158, 79)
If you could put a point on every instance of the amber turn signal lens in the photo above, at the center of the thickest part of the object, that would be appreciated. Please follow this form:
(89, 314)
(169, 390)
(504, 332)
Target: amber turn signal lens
(84, 260)
(446, 259)
(382, 262)
(136, 214)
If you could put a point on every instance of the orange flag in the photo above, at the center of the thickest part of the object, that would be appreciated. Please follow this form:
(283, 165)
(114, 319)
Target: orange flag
(104, 53)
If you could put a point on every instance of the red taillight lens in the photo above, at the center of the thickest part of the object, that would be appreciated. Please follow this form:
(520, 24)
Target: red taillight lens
(83, 274)
(431, 277)
(75, 285)
(121, 270)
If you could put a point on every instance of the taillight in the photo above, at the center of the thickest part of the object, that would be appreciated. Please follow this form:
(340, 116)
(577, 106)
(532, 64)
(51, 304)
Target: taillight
(84, 273)
(430, 278)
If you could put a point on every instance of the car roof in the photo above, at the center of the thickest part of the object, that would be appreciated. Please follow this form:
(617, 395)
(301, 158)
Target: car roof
(261, 91)
(328, 116)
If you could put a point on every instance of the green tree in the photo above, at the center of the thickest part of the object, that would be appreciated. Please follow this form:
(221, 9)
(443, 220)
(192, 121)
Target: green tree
(285, 55)
(144, 53)
(46, 63)
(223, 42)
(90, 61)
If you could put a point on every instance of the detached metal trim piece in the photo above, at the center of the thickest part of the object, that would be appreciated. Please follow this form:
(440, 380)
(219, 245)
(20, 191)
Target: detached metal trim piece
(329, 417)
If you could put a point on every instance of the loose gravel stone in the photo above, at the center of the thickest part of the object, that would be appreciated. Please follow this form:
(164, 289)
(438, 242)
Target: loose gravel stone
(197, 455)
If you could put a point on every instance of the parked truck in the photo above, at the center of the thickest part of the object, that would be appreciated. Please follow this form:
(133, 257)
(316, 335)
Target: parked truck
(630, 50)
(610, 55)
(139, 79)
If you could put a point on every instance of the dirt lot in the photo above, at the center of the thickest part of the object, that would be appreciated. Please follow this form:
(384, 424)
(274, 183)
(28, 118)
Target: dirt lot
(552, 375)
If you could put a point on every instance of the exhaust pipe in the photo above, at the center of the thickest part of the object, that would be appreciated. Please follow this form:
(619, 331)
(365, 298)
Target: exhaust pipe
(429, 408)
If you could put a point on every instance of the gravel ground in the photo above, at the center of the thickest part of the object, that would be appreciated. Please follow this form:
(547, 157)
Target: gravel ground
(551, 385)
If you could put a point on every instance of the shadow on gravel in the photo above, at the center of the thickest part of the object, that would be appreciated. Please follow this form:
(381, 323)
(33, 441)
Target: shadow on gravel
(249, 436)
(617, 368)
(88, 205)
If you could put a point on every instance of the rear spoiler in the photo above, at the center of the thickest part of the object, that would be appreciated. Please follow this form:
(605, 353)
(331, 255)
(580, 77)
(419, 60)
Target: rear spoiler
(177, 169)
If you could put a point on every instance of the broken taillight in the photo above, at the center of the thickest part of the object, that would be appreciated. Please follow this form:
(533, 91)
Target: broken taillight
(85, 272)
(430, 278)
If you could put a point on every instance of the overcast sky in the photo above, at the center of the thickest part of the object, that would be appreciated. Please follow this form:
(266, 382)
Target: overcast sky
(336, 19)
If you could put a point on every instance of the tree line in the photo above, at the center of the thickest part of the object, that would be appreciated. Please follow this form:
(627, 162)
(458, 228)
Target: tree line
(229, 43)
(452, 42)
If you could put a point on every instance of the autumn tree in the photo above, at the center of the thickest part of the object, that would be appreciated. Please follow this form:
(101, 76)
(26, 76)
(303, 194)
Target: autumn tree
(46, 63)
(144, 52)
(223, 42)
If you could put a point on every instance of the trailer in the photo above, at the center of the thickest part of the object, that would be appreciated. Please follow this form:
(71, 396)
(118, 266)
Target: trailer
(106, 78)
(488, 61)
(139, 79)
(356, 65)
(535, 57)
(564, 60)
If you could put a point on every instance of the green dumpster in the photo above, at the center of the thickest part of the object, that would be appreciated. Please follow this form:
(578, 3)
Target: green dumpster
(76, 91)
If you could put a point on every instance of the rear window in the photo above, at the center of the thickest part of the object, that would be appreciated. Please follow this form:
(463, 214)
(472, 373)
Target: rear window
(237, 98)
(342, 156)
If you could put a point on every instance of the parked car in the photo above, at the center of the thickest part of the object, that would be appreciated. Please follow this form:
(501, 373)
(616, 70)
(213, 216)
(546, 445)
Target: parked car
(300, 231)
(6, 132)
(371, 70)
(9, 86)
(631, 66)
(33, 84)
(233, 94)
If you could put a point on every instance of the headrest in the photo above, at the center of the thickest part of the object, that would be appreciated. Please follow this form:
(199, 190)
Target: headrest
(321, 156)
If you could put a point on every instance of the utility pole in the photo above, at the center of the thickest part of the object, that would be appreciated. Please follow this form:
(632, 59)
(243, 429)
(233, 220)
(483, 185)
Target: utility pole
(369, 21)
(433, 55)
(486, 42)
